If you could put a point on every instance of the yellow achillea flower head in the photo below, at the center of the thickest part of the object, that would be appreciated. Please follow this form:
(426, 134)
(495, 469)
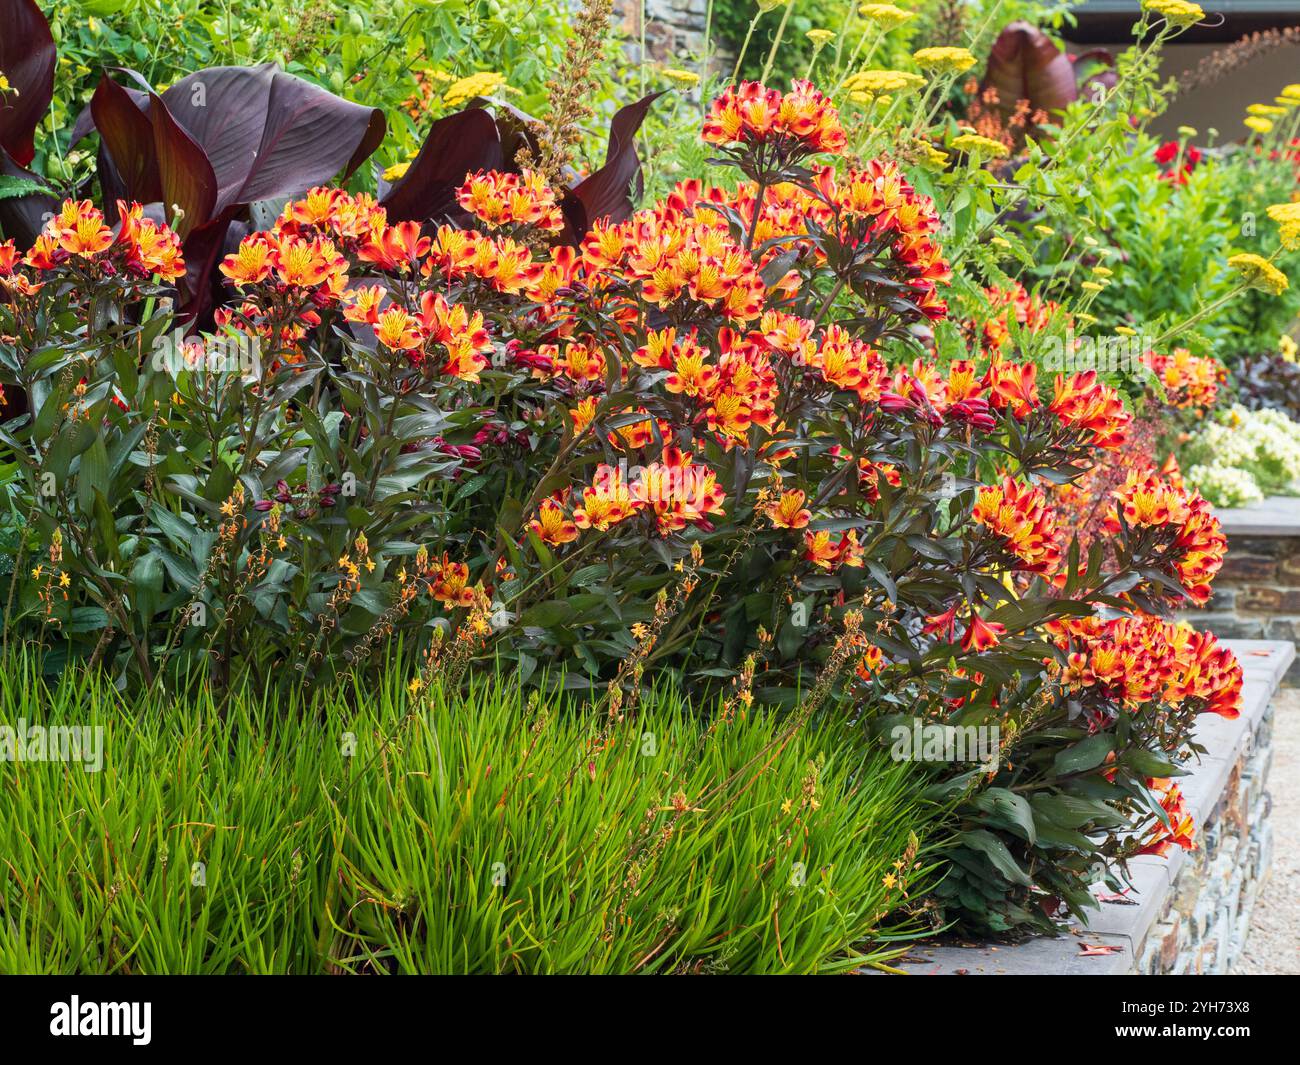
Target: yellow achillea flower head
(684, 78)
(874, 82)
(1176, 12)
(976, 144)
(886, 16)
(947, 60)
(820, 38)
(1287, 216)
(484, 83)
(1091, 286)
(1265, 110)
(397, 170)
(1259, 125)
(931, 156)
(1259, 273)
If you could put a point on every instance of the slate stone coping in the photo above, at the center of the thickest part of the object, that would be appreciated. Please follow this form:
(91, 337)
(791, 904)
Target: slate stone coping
(1264, 663)
(1274, 516)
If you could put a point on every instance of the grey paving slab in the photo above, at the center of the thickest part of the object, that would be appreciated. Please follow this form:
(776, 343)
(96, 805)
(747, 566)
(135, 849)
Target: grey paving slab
(1274, 516)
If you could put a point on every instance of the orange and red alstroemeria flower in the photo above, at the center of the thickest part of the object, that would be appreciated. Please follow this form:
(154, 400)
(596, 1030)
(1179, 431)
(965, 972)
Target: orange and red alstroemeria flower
(1181, 830)
(788, 511)
(1082, 402)
(398, 247)
(606, 502)
(828, 554)
(552, 525)
(981, 634)
(449, 583)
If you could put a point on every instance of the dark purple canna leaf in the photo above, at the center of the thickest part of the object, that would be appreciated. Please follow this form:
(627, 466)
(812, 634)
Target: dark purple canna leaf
(221, 139)
(474, 139)
(27, 60)
(610, 193)
(269, 134)
(456, 145)
(186, 176)
(122, 117)
(1025, 65)
(23, 217)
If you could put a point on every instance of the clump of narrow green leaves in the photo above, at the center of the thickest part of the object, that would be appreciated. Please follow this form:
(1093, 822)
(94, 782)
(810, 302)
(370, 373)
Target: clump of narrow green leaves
(488, 834)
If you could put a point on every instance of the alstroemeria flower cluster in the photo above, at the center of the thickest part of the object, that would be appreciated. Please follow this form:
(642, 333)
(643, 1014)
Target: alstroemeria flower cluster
(79, 240)
(1015, 303)
(876, 209)
(1138, 660)
(501, 200)
(1018, 515)
(791, 125)
(674, 491)
(1189, 380)
(1185, 537)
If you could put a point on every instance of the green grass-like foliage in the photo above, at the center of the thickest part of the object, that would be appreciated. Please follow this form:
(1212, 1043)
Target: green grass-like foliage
(482, 835)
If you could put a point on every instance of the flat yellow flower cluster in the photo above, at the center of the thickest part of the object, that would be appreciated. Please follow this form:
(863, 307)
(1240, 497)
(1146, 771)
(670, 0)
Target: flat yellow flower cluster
(1259, 273)
(1175, 12)
(1287, 217)
(946, 59)
(977, 144)
(876, 82)
(484, 83)
(886, 16)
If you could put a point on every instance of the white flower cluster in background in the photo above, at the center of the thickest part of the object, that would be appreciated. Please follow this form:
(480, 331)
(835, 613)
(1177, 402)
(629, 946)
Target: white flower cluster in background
(1245, 455)
(1225, 486)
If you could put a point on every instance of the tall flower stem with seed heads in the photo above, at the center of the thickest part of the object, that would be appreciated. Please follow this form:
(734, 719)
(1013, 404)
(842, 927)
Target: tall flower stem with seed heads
(569, 93)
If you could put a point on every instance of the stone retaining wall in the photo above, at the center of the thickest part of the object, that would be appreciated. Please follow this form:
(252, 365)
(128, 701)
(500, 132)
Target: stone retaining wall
(1257, 593)
(1188, 912)
(674, 31)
